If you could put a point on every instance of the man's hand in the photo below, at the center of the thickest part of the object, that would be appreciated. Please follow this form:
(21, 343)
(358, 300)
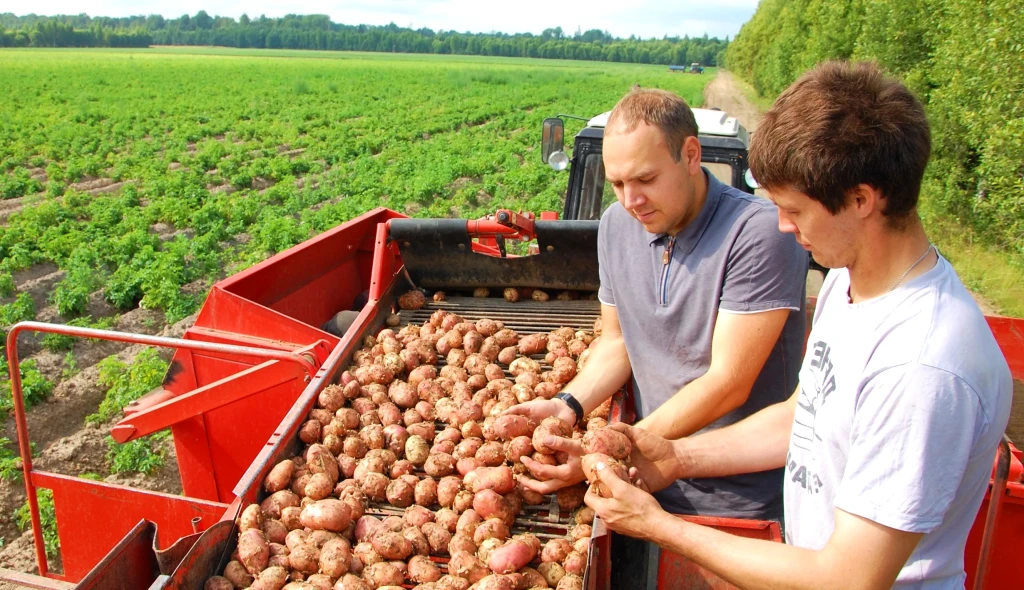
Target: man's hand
(629, 510)
(655, 463)
(539, 409)
(551, 478)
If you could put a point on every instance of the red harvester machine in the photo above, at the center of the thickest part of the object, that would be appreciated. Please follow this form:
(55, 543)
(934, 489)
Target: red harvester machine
(245, 376)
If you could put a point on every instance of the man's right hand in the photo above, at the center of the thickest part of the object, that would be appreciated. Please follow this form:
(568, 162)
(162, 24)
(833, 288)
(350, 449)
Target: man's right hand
(655, 462)
(539, 409)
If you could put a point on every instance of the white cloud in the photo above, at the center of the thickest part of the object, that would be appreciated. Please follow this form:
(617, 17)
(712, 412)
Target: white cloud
(643, 18)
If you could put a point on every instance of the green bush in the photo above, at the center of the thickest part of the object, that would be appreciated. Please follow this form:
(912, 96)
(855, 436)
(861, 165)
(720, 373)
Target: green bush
(47, 520)
(6, 284)
(127, 383)
(137, 456)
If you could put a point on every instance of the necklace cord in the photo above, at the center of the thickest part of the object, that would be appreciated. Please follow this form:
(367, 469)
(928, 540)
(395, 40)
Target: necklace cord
(912, 267)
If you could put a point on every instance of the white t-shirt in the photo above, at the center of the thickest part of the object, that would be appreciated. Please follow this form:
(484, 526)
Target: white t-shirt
(903, 400)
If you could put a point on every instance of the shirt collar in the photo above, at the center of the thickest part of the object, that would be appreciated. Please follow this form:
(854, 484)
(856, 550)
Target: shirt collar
(687, 239)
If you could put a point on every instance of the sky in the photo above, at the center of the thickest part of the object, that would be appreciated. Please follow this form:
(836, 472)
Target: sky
(621, 18)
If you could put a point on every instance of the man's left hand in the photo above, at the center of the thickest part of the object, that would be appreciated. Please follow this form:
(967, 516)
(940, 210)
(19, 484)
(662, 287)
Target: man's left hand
(629, 510)
(551, 478)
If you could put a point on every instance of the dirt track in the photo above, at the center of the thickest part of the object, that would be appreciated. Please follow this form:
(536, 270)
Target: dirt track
(723, 92)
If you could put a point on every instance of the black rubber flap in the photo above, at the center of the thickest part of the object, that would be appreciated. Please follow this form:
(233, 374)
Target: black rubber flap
(438, 255)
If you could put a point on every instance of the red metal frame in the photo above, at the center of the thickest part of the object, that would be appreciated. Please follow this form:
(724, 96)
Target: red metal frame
(77, 517)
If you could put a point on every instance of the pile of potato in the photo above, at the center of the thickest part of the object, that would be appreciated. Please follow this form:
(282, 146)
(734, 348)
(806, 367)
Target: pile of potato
(402, 429)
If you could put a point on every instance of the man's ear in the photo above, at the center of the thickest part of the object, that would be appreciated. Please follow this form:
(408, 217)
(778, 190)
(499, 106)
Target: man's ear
(691, 154)
(866, 200)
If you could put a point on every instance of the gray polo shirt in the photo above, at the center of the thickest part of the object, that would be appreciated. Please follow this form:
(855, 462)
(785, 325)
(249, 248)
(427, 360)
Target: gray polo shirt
(730, 258)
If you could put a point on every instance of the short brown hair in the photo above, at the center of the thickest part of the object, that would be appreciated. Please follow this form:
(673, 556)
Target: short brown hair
(657, 108)
(840, 125)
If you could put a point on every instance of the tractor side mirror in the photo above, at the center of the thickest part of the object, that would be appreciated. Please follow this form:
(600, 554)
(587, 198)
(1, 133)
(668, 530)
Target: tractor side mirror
(552, 138)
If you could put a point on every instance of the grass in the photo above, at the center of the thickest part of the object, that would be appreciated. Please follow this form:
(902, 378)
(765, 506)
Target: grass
(47, 520)
(762, 103)
(138, 456)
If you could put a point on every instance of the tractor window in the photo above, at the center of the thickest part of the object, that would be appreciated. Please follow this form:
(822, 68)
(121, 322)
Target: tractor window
(723, 172)
(594, 194)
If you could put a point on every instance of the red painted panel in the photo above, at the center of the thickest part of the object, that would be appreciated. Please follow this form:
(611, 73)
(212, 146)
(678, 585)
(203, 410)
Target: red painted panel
(92, 517)
(677, 572)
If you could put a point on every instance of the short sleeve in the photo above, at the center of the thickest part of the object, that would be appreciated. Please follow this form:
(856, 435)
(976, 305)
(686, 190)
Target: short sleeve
(605, 293)
(766, 268)
(910, 442)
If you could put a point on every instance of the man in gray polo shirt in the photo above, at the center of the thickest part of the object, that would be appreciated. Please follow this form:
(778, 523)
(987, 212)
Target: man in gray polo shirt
(702, 303)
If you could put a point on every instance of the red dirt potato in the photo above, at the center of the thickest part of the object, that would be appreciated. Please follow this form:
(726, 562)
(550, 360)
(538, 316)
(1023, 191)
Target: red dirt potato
(472, 429)
(555, 550)
(491, 454)
(447, 488)
(305, 558)
(550, 426)
(417, 516)
(279, 477)
(589, 463)
(490, 504)
(463, 501)
(575, 563)
(326, 515)
(506, 337)
(274, 530)
(352, 582)
(497, 582)
(389, 414)
(251, 518)
(290, 518)
(447, 518)
(498, 479)
(438, 536)
(510, 426)
(414, 535)
(552, 572)
(580, 531)
(425, 492)
(365, 527)
(424, 430)
(422, 570)
(547, 390)
(469, 520)
(219, 583)
(317, 582)
(399, 493)
(492, 528)
(493, 372)
(507, 355)
(309, 433)
(466, 565)
(412, 300)
(278, 501)
(422, 373)
(490, 349)
(417, 450)
(523, 365)
(253, 551)
(581, 546)
(335, 556)
(570, 582)
(445, 446)
(383, 574)
(295, 538)
(439, 465)
(272, 578)
(584, 515)
(391, 545)
(237, 575)
(517, 448)
(532, 578)
(395, 437)
(570, 498)
(468, 447)
(608, 442)
(319, 486)
(511, 556)
(532, 344)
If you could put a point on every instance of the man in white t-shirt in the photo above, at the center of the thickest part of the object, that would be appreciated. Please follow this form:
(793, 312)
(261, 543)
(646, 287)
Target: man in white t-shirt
(889, 439)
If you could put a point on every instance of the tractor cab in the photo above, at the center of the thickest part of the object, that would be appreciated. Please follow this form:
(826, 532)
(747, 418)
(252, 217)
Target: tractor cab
(723, 144)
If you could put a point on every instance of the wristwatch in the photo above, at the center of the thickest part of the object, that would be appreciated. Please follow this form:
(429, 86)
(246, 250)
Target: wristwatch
(573, 403)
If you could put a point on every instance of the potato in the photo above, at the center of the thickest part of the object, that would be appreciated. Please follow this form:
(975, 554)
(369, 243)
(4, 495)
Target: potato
(511, 556)
(220, 583)
(279, 477)
(552, 572)
(277, 501)
(584, 515)
(555, 550)
(506, 337)
(471, 429)
(417, 450)
(607, 442)
(563, 370)
(425, 492)
(365, 527)
(399, 493)
(575, 563)
(237, 575)
(570, 498)
(550, 426)
(305, 558)
(510, 426)
(319, 486)
(570, 582)
(589, 464)
(424, 430)
(412, 300)
(352, 582)
(446, 490)
(447, 518)
(466, 565)
(327, 515)
(523, 365)
(492, 528)
(272, 578)
(422, 570)
(498, 479)
(310, 432)
(461, 542)
(253, 551)
(439, 465)
(251, 518)
(274, 530)
(498, 582)
(438, 536)
(414, 535)
(383, 574)
(483, 553)
(395, 437)
(468, 447)
(547, 390)
(430, 390)
(391, 545)
(532, 344)
(463, 501)
(517, 448)
(491, 454)
(290, 518)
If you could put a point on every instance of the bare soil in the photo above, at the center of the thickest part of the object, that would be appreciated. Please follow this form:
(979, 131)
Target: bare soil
(64, 443)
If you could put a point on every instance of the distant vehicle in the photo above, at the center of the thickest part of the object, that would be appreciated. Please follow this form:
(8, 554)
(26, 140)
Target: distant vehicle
(677, 68)
(696, 68)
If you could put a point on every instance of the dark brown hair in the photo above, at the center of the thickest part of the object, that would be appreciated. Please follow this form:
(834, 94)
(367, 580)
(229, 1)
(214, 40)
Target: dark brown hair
(657, 108)
(840, 125)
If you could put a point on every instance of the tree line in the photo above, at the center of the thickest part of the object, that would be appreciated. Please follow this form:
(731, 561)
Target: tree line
(318, 32)
(963, 58)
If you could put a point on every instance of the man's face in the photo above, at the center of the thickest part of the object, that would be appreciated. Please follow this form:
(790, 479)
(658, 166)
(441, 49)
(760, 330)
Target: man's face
(829, 238)
(655, 189)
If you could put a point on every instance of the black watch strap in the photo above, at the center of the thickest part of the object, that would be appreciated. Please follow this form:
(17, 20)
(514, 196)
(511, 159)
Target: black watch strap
(573, 403)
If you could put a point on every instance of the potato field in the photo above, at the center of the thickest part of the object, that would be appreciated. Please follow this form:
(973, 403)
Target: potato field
(131, 180)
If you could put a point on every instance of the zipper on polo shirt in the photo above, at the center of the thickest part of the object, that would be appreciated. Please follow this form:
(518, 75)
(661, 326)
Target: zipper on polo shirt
(666, 263)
